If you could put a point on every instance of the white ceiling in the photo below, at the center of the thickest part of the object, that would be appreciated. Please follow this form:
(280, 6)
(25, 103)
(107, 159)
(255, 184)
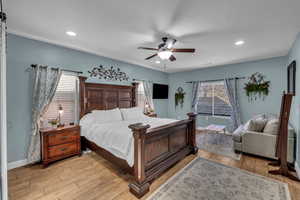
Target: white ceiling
(115, 28)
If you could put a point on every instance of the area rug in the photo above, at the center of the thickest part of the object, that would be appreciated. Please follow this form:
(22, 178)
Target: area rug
(207, 180)
(217, 143)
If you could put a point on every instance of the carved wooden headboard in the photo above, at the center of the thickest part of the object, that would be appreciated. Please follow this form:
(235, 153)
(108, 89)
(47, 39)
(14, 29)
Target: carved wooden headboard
(95, 96)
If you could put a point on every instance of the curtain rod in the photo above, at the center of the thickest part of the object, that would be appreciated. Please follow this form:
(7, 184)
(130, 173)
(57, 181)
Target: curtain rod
(237, 78)
(134, 79)
(66, 70)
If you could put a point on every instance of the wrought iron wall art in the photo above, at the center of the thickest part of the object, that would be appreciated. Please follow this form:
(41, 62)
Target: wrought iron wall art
(111, 73)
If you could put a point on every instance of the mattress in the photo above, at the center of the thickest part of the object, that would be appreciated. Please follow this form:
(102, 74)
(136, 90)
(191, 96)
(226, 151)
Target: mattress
(116, 137)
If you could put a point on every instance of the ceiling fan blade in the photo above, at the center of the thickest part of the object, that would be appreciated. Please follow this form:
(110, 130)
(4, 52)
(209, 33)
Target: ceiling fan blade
(172, 58)
(184, 50)
(148, 48)
(151, 56)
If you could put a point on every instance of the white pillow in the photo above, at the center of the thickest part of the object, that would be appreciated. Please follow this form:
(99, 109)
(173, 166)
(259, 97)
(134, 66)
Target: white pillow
(272, 126)
(105, 116)
(132, 113)
(87, 120)
(257, 125)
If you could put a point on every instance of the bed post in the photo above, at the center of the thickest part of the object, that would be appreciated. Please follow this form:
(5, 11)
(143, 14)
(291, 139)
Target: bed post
(134, 97)
(82, 100)
(192, 132)
(140, 186)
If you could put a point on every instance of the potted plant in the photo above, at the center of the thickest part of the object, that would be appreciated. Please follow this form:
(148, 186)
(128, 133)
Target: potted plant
(179, 97)
(257, 87)
(53, 122)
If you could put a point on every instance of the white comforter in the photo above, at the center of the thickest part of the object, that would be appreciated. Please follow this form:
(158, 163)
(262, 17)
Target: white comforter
(116, 137)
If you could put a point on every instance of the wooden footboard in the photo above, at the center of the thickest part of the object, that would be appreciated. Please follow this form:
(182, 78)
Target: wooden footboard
(157, 149)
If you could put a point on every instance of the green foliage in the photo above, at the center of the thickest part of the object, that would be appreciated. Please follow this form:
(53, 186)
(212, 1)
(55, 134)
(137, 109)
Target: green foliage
(257, 87)
(53, 122)
(179, 97)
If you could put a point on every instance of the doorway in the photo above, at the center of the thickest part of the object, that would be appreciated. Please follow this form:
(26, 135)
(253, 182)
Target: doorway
(3, 128)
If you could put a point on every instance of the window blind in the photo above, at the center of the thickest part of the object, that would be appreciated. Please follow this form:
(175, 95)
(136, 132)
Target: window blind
(213, 99)
(65, 95)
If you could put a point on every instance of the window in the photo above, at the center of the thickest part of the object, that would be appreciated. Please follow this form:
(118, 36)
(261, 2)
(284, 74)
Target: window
(213, 99)
(66, 95)
(140, 95)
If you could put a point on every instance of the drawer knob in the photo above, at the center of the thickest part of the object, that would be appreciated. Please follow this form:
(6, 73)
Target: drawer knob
(64, 137)
(63, 149)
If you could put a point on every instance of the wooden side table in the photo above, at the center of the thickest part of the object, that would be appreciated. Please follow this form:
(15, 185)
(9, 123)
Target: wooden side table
(59, 143)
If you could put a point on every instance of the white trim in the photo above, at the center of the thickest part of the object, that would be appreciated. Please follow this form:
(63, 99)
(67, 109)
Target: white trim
(3, 115)
(16, 164)
(21, 163)
(297, 168)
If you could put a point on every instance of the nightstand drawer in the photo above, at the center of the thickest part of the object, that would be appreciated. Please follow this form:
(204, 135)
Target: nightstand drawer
(59, 143)
(62, 138)
(62, 149)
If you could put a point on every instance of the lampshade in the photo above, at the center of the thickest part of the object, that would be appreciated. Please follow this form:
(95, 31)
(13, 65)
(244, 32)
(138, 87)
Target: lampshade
(60, 109)
(165, 54)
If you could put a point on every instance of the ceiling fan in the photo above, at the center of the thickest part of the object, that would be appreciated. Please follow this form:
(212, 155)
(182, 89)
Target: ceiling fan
(165, 50)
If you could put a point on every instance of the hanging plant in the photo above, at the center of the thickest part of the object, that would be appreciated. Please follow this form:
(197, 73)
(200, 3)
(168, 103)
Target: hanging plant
(257, 87)
(179, 97)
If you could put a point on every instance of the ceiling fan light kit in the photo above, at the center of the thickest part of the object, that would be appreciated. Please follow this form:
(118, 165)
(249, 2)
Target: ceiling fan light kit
(165, 50)
(165, 54)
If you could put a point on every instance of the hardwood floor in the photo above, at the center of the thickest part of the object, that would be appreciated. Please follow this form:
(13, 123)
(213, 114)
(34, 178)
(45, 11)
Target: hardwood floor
(90, 177)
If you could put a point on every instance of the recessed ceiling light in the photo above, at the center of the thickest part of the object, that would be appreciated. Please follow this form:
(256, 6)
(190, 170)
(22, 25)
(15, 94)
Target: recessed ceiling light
(71, 33)
(157, 62)
(239, 42)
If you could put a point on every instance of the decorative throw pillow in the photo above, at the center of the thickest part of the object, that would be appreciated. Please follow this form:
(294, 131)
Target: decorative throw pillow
(237, 134)
(257, 124)
(132, 113)
(239, 130)
(246, 126)
(272, 127)
(106, 116)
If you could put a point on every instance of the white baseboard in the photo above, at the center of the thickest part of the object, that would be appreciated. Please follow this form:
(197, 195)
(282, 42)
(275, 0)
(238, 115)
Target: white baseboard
(18, 163)
(297, 168)
(21, 163)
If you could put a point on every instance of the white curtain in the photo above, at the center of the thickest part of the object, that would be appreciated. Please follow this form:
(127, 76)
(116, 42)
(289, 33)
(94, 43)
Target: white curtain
(148, 95)
(45, 83)
(195, 96)
(231, 91)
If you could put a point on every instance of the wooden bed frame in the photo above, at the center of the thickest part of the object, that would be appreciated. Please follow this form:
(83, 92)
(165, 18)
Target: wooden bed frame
(155, 149)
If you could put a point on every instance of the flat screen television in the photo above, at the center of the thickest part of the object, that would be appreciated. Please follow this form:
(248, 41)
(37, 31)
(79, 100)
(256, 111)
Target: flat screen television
(160, 91)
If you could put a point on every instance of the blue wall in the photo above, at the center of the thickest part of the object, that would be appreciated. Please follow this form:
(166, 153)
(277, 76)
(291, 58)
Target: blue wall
(274, 69)
(22, 53)
(294, 54)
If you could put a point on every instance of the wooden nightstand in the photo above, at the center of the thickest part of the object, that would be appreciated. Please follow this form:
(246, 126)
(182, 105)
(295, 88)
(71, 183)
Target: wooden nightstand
(59, 143)
(152, 115)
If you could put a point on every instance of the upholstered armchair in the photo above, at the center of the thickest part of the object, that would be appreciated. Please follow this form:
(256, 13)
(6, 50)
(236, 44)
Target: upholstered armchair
(262, 143)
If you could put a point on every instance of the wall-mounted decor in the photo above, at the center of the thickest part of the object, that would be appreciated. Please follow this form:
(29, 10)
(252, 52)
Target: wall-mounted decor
(179, 97)
(291, 73)
(111, 73)
(257, 87)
